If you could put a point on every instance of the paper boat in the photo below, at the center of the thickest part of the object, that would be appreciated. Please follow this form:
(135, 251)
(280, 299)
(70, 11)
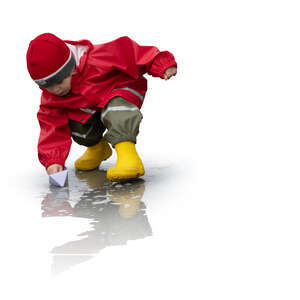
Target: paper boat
(59, 178)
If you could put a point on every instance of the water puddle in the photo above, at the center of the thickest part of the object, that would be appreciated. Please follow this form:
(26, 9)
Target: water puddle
(115, 210)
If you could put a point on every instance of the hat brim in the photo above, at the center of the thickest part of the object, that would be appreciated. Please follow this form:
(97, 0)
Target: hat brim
(59, 75)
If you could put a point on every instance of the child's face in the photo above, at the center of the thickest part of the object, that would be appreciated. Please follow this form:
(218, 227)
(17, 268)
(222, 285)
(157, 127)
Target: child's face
(62, 88)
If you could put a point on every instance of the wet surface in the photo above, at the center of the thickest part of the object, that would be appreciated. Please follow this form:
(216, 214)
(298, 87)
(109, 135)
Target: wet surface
(115, 211)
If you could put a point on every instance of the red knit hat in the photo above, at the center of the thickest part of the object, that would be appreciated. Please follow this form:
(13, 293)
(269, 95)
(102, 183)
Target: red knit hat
(49, 60)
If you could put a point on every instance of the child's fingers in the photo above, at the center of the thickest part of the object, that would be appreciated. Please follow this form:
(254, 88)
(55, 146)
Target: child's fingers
(54, 169)
(170, 72)
(169, 75)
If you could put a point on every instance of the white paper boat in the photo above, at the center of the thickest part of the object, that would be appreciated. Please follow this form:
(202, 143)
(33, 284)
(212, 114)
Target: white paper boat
(59, 178)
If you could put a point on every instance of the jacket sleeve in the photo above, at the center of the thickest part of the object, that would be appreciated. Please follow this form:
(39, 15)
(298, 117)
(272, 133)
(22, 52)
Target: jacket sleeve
(55, 136)
(137, 60)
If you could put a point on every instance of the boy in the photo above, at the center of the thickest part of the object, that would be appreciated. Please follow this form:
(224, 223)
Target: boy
(87, 89)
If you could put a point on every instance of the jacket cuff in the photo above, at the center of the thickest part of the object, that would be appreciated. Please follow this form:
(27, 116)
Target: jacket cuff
(161, 63)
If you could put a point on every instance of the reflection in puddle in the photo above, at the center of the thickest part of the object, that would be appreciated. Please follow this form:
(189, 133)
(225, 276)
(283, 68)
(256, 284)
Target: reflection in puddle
(115, 209)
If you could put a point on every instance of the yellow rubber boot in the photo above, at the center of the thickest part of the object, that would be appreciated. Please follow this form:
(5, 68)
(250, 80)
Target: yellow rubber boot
(129, 164)
(93, 156)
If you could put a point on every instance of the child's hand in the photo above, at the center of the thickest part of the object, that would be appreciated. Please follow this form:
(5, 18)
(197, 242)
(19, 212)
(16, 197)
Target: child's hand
(170, 72)
(54, 169)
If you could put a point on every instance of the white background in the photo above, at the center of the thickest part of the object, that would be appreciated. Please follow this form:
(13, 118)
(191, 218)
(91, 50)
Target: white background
(225, 210)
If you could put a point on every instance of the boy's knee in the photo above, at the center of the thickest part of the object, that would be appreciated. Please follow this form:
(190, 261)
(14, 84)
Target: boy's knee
(120, 112)
(122, 119)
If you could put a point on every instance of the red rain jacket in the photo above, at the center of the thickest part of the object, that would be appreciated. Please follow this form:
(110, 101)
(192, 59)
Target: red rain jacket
(105, 70)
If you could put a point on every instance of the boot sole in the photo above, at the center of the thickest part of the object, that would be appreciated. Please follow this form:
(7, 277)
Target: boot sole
(125, 176)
